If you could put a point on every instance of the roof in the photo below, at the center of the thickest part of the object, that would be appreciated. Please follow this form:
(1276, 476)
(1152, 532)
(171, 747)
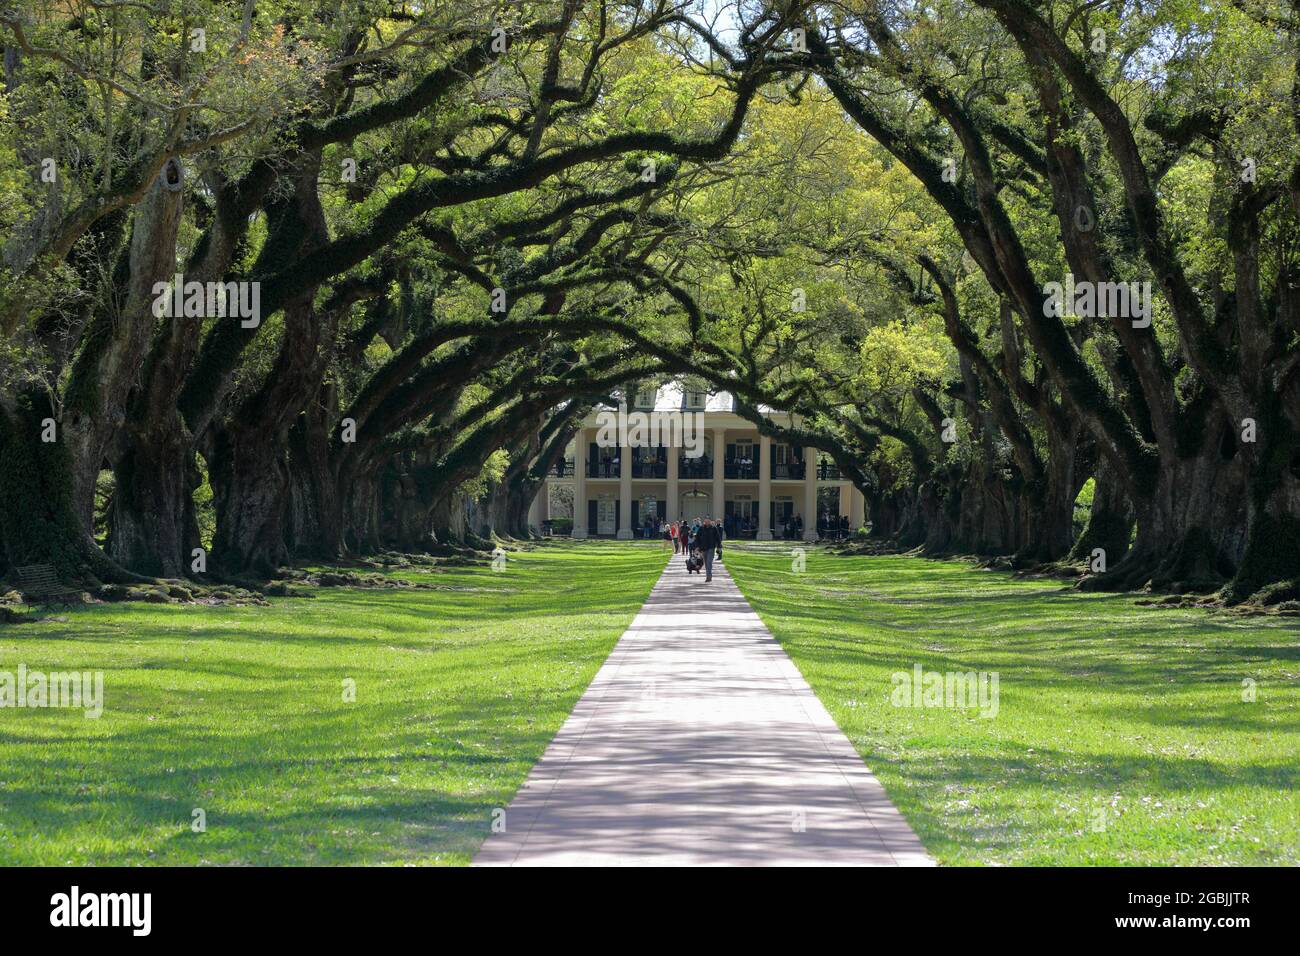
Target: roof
(671, 397)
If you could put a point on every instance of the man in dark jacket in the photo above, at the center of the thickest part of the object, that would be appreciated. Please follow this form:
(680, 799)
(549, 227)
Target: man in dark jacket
(708, 540)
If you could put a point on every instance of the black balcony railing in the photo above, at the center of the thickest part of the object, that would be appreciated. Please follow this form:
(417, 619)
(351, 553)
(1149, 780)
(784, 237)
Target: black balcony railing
(701, 467)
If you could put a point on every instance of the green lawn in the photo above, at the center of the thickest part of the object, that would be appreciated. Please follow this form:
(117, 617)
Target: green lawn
(240, 712)
(1121, 735)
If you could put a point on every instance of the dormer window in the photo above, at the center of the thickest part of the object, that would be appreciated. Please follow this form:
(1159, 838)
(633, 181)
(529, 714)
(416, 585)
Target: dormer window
(695, 400)
(645, 398)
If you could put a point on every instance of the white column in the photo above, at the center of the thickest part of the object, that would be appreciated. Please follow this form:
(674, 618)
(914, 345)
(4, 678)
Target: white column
(580, 529)
(810, 494)
(857, 508)
(764, 488)
(674, 453)
(625, 493)
(844, 506)
(717, 506)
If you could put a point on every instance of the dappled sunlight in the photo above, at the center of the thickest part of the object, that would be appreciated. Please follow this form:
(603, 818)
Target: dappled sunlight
(1121, 736)
(239, 711)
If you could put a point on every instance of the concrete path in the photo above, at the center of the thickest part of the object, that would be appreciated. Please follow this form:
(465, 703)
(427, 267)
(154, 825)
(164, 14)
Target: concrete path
(698, 742)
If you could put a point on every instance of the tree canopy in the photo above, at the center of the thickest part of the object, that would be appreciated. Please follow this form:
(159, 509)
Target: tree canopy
(985, 250)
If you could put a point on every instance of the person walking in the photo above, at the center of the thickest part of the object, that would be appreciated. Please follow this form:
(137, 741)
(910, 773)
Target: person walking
(708, 539)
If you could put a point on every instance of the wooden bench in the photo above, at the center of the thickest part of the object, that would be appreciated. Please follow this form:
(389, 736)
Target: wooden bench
(40, 584)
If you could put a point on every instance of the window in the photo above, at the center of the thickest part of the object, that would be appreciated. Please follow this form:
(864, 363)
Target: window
(645, 398)
(695, 399)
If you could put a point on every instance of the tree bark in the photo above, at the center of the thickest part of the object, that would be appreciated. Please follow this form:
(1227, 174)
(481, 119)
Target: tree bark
(1110, 520)
(38, 521)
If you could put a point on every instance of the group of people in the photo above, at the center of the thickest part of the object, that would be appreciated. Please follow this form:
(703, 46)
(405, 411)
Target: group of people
(702, 537)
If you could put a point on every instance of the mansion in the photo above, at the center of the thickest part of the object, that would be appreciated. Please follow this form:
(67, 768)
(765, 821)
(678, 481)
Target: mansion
(618, 481)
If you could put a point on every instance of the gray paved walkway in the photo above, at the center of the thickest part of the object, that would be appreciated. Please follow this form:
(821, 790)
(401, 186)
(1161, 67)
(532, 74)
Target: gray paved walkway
(698, 742)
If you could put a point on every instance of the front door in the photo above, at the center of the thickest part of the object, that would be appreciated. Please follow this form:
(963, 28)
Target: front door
(605, 519)
(695, 504)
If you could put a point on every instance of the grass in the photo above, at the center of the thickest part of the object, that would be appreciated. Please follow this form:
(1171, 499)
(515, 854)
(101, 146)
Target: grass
(240, 712)
(1121, 735)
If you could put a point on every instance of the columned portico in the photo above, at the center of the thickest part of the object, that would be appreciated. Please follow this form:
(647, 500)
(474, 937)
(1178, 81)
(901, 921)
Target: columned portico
(718, 505)
(754, 483)
(810, 494)
(625, 493)
(580, 529)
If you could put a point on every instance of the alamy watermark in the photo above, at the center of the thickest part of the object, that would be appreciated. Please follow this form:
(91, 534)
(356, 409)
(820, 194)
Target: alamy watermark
(952, 689)
(72, 689)
(670, 428)
(208, 300)
(75, 908)
(1089, 300)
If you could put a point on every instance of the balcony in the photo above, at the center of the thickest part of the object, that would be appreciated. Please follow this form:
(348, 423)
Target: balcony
(695, 468)
(789, 471)
(649, 469)
(563, 469)
(741, 469)
(605, 468)
(828, 471)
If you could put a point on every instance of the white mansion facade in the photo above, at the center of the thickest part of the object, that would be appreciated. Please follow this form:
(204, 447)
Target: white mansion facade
(762, 488)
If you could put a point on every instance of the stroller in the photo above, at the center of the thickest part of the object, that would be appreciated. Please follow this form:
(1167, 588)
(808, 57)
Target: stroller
(694, 561)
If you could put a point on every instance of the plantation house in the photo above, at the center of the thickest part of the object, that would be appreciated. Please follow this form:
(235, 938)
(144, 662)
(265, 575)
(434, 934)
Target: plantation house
(709, 461)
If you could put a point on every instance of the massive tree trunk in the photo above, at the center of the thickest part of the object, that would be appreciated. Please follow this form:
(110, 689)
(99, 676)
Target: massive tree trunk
(1191, 530)
(151, 522)
(990, 520)
(38, 520)
(249, 478)
(519, 497)
(152, 527)
(1110, 521)
(249, 468)
(314, 523)
(509, 500)
(447, 522)
(1270, 561)
(1049, 504)
(940, 504)
(495, 509)
(407, 499)
(109, 365)
(894, 512)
